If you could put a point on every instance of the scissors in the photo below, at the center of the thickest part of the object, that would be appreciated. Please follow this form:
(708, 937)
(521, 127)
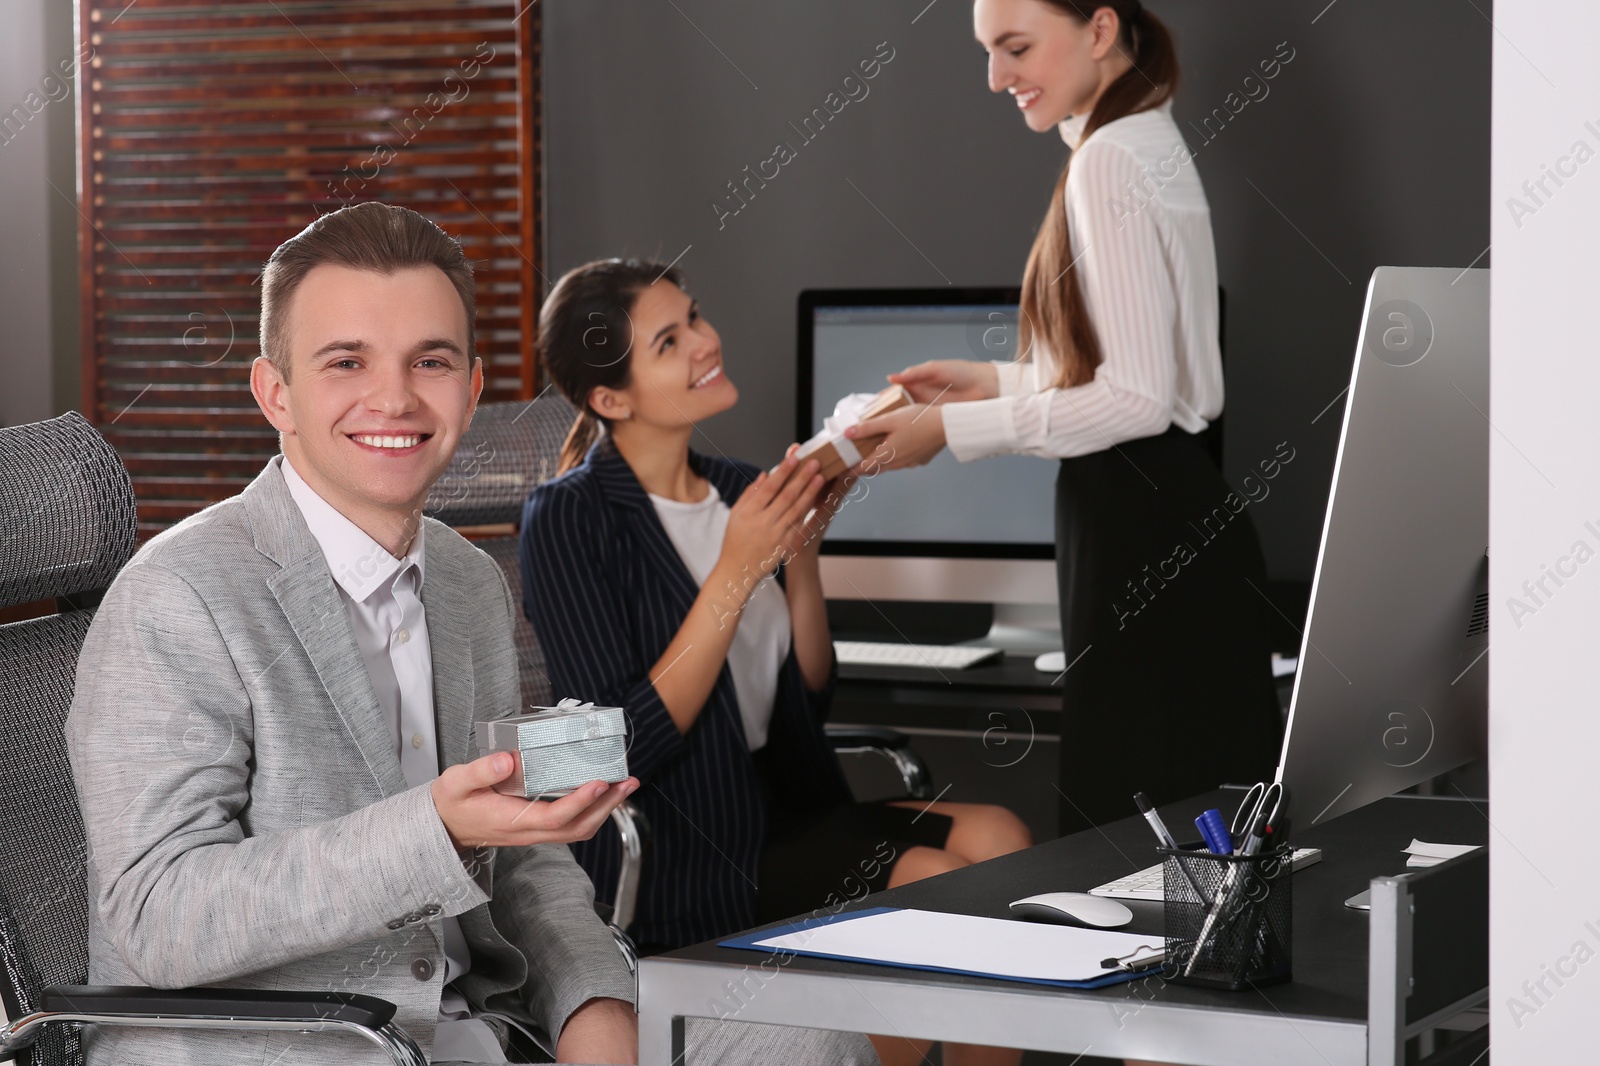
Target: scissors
(1257, 815)
(1261, 799)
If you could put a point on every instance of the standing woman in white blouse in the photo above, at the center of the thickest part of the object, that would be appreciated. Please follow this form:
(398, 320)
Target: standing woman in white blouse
(1169, 687)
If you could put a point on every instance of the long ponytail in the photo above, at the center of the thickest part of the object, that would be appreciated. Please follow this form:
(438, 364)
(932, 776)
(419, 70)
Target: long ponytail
(580, 438)
(1053, 307)
(586, 338)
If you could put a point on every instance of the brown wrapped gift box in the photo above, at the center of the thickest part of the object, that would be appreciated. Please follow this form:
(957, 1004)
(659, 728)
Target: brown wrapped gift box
(833, 451)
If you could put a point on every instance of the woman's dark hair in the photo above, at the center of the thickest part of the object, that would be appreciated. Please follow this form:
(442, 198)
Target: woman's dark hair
(586, 336)
(1053, 308)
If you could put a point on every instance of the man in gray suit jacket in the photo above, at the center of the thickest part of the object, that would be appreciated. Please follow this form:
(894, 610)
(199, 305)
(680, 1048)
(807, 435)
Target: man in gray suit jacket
(270, 690)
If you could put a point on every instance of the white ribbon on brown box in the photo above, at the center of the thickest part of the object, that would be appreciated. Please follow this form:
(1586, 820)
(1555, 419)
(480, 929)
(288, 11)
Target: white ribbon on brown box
(846, 413)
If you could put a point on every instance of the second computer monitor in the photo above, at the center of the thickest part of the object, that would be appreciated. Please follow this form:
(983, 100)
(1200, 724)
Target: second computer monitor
(982, 530)
(1392, 683)
(995, 507)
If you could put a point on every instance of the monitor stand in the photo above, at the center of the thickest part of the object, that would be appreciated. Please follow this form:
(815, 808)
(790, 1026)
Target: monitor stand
(1025, 628)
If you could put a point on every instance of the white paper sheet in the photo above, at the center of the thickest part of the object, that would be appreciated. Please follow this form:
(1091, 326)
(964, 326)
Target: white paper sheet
(999, 946)
(1423, 854)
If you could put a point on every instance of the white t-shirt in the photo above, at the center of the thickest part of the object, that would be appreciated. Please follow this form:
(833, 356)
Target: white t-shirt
(761, 641)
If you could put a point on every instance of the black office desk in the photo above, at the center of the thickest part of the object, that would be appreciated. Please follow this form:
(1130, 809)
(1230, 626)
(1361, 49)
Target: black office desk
(919, 696)
(1320, 1018)
(988, 734)
(992, 733)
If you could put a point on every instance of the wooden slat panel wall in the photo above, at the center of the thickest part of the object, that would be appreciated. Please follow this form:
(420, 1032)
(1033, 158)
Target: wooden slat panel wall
(214, 131)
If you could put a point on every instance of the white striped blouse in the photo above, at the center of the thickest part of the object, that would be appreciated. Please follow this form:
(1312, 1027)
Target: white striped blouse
(1141, 237)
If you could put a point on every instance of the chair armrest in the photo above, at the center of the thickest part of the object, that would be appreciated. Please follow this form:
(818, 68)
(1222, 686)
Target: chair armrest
(633, 831)
(231, 1003)
(892, 745)
(214, 1008)
(866, 737)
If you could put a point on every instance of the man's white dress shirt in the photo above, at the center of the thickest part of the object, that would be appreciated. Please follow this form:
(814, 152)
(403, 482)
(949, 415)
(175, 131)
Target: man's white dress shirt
(383, 599)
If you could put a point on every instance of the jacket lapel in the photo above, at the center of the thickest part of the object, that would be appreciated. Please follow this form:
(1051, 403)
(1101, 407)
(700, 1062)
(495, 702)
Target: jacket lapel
(730, 481)
(623, 491)
(310, 601)
(450, 643)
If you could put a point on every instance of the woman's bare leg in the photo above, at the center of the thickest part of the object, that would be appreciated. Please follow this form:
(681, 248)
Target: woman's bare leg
(916, 863)
(978, 831)
(899, 1051)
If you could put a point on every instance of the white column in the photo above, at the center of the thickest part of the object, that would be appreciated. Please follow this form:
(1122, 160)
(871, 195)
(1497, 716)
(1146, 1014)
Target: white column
(1544, 703)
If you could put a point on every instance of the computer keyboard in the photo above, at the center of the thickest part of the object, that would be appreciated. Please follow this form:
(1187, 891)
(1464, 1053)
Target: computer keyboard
(1146, 884)
(932, 656)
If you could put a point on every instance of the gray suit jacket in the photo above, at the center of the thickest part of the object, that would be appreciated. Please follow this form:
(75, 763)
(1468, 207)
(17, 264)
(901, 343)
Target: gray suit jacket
(247, 818)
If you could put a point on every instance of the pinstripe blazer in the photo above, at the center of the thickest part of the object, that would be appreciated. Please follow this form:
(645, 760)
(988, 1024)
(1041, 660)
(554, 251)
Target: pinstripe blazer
(248, 820)
(606, 592)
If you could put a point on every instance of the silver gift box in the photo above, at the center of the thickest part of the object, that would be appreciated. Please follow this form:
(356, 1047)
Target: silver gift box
(559, 748)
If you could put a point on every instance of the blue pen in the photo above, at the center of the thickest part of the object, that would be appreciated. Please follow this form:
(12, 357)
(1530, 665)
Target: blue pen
(1214, 831)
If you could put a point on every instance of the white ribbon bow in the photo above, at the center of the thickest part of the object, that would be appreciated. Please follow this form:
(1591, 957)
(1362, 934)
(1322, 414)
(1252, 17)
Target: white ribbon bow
(591, 721)
(846, 413)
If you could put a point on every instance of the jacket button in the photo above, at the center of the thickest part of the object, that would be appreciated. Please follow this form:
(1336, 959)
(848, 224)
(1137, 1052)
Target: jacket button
(398, 923)
(415, 918)
(432, 910)
(422, 969)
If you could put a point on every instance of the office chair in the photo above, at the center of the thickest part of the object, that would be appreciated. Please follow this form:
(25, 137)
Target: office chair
(510, 448)
(67, 525)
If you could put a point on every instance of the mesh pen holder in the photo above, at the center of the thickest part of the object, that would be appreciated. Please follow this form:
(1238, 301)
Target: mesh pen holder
(1229, 918)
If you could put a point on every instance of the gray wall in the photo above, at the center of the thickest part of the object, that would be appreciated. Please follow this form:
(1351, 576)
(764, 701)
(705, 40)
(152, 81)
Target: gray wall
(24, 334)
(38, 224)
(1369, 147)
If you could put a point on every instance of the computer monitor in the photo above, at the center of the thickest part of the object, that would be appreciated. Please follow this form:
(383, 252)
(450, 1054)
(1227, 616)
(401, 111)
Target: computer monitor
(1392, 686)
(980, 532)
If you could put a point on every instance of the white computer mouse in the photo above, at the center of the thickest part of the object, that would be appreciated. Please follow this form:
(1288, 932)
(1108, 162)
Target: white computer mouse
(1073, 908)
(1051, 662)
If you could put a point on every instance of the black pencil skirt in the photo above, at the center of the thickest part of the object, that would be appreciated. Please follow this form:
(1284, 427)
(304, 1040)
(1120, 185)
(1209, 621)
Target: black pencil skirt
(1166, 627)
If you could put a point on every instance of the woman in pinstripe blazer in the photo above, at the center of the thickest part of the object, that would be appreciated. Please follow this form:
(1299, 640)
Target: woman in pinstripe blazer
(751, 818)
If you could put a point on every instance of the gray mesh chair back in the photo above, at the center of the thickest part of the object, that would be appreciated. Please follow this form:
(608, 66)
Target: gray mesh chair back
(67, 525)
(510, 448)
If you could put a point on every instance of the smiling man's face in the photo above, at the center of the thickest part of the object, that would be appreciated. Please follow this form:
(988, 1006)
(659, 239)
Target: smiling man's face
(380, 389)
